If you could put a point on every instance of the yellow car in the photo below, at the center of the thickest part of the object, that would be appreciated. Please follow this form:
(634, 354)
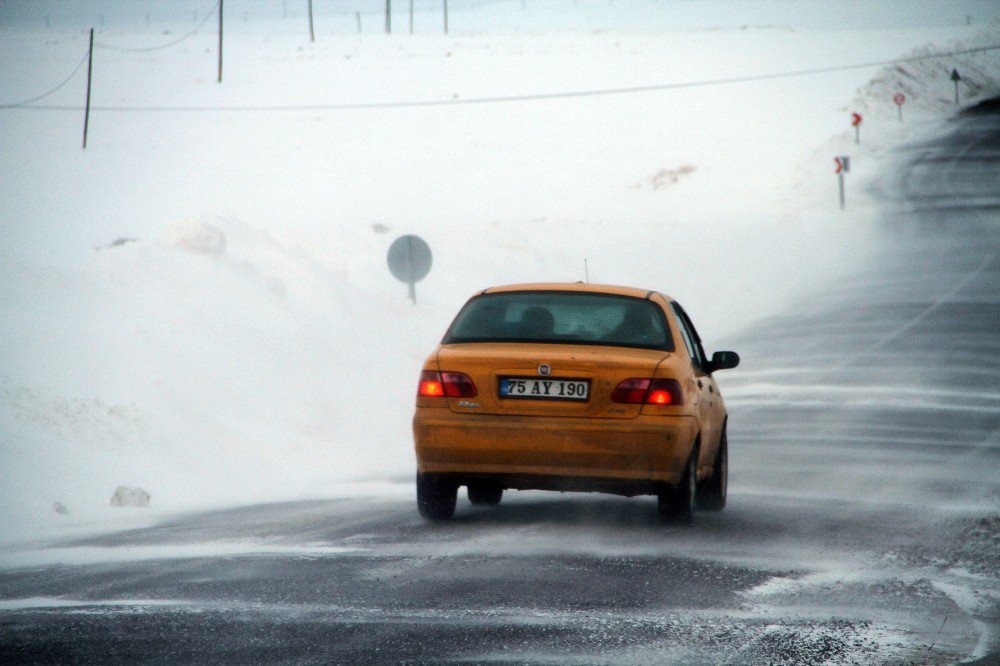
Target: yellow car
(571, 387)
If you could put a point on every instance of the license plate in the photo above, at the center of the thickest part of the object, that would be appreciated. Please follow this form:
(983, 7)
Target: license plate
(544, 389)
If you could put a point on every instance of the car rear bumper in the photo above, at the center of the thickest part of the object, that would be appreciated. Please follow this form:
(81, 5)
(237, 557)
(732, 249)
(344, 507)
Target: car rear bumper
(632, 457)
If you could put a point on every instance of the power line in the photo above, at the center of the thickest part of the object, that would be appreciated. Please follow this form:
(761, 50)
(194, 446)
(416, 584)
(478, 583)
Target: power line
(520, 98)
(147, 49)
(24, 103)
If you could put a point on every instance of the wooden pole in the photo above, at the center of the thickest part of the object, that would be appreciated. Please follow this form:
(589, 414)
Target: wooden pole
(312, 35)
(90, 67)
(220, 41)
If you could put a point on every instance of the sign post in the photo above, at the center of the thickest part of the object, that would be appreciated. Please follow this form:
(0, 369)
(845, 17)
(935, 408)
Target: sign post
(899, 99)
(856, 124)
(956, 77)
(410, 261)
(843, 163)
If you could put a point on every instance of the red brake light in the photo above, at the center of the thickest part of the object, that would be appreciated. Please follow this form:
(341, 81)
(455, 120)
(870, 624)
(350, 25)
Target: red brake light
(631, 391)
(451, 384)
(648, 391)
(430, 385)
(458, 385)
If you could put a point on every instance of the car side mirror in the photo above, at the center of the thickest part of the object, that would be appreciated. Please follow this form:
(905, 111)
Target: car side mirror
(724, 360)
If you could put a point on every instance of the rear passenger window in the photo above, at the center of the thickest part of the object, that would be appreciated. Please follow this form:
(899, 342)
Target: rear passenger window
(690, 337)
(562, 317)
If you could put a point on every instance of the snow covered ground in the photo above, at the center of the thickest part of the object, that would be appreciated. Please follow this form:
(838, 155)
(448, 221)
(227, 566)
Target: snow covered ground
(199, 304)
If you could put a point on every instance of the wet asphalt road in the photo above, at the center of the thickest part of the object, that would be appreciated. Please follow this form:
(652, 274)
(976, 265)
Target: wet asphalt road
(863, 525)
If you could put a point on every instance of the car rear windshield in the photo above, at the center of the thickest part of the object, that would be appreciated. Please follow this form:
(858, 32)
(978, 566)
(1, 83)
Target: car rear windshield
(562, 317)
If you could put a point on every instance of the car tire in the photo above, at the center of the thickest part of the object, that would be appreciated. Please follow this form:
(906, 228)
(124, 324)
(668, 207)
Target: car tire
(485, 494)
(676, 505)
(436, 497)
(712, 491)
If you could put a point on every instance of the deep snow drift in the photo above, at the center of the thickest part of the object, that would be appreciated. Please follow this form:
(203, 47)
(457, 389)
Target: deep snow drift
(198, 303)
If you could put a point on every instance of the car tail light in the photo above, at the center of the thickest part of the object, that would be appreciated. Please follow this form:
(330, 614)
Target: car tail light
(648, 391)
(430, 385)
(450, 384)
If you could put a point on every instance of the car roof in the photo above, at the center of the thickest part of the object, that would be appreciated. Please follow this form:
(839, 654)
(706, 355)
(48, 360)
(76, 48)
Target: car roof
(580, 287)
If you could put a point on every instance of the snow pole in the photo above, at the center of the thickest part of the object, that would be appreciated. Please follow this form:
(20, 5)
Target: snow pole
(312, 34)
(220, 41)
(90, 67)
(843, 163)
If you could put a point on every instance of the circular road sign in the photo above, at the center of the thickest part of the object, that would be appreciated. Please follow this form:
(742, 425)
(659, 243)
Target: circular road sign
(410, 261)
(409, 258)
(899, 98)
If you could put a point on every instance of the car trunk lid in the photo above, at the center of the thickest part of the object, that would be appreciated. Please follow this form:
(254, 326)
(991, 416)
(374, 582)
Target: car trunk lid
(556, 369)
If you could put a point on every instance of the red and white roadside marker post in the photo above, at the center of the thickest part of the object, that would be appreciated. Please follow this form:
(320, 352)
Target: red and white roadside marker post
(899, 99)
(856, 124)
(843, 166)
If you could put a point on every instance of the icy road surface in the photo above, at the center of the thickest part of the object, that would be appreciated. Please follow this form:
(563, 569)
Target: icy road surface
(864, 523)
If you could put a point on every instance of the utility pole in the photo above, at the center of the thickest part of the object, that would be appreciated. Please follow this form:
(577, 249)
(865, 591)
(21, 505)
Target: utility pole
(90, 65)
(312, 35)
(220, 41)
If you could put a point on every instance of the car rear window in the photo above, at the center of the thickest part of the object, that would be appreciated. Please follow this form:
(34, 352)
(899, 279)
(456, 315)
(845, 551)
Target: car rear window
(562, 317)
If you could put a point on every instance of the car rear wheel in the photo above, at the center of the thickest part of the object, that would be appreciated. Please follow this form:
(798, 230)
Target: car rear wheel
(436, 497)
(485, 494)
(677, 504)
(712, 491)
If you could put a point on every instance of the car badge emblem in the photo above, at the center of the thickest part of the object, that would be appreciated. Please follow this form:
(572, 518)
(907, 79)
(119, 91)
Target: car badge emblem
(544, 369)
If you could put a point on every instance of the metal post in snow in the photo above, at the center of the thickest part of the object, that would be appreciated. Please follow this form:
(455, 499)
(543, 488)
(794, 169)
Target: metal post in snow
(956, 77)
(220, 41)
(411, 17)
(312, 34)
(90, 66)
(388, 17)
(843, 163)
(856, 124)
(446, 17)
(358, 15)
